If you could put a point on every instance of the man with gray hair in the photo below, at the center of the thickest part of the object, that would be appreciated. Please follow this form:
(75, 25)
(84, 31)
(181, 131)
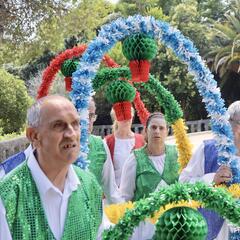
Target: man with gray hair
(46, 197)
(204, 167)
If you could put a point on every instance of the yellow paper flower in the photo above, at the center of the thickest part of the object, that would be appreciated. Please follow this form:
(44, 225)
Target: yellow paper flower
(183, 144)
(115, 212)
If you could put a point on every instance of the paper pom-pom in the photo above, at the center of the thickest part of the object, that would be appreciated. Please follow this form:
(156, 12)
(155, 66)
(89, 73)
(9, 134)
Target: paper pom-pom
(181, 223)
(122, 110)
(69, 67)
(120, 91)
(139, 47)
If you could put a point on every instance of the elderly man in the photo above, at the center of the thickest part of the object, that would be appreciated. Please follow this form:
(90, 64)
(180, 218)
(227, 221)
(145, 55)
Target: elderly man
(46, 197)
(204, 167)
(99, 156)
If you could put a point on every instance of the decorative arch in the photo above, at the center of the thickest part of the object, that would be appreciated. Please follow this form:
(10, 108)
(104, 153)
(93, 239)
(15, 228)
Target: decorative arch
(184, 49)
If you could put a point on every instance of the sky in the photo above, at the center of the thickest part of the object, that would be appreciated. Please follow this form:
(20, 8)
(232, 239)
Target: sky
(113, 1)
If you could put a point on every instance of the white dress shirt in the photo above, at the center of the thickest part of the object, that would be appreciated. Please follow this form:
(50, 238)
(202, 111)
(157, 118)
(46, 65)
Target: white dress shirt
(27, 152)
(110, 187)
(194, 172)
(122, 150)
(146, 229)
(53, 200)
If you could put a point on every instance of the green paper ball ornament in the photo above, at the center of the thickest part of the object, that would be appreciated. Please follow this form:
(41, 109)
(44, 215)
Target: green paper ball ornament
(139, 46)
(69, 67)
(181, 223)
(119, 91)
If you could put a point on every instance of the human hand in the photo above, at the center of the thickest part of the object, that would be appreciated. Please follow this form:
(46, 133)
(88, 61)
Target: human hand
(223, 175)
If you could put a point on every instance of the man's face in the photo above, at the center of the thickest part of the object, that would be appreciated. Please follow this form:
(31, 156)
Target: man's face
(92, 115)
(235, 124)
(58, 136)
(157, 131)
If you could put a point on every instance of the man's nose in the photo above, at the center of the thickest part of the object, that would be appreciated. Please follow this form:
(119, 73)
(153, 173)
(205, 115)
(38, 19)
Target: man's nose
(70, 131)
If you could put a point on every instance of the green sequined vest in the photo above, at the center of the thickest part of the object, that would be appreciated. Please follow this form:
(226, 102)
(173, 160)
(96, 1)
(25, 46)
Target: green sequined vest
(97, 157)
(25, 214)
(148, 178)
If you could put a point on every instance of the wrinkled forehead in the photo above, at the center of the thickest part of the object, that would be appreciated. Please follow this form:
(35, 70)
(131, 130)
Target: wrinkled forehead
(58, 110)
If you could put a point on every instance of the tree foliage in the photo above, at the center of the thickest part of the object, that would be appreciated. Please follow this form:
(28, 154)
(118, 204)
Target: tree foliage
(14, 102)
(225, 36)
(80, 19)
(19, 19)
(224, 53)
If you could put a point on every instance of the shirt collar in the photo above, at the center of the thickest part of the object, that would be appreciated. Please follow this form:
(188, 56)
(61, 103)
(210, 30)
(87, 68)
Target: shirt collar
(42, 181)
(28, 151)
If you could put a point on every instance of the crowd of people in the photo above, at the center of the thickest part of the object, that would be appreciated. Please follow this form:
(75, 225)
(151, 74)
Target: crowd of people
(43, 195)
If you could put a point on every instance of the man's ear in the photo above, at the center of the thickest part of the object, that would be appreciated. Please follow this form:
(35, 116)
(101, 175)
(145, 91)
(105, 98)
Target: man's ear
(33, 136)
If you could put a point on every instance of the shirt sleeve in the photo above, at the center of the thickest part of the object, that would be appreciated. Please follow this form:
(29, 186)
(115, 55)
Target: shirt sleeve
(4, 229)
(2, 172)
(194, 172)
(128, 185)
(110, 187)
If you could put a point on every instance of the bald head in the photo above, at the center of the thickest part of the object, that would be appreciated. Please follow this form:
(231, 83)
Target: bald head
(37, 110)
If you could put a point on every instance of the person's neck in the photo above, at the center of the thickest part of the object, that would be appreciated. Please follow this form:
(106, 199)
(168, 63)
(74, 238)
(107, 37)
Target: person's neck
(155, 149)
(124, 133)
(56, 174)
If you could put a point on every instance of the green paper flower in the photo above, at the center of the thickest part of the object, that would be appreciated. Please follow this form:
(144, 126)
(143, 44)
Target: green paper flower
(106, 75)
(119, 91)
(139, 46)
(181, 223)
(69, 67)
(172, 109)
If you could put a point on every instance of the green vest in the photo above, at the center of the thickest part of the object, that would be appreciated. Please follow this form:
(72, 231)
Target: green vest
(25, 214)
(97, 157)
(148, 178)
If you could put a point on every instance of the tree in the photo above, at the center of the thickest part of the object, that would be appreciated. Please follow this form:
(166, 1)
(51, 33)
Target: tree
(19, 19)
(81, 20)
(226, 36)
(14, 102)
(224, 54)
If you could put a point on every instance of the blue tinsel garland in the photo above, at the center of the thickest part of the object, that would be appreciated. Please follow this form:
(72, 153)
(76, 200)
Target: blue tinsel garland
(184, 49)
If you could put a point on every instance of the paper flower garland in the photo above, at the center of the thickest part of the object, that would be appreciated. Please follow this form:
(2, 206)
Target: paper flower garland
(184, 49)
(211, 198)
(116, 211)
(55, 65)
(142, 111)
